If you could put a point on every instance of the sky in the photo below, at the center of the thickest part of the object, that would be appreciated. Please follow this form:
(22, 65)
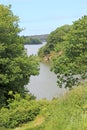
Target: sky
(44, 16)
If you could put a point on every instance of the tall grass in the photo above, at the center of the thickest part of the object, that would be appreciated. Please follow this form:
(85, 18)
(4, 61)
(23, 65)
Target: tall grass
(67, 113)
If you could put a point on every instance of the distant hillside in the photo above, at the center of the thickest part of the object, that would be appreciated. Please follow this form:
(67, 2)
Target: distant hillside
(42, 37)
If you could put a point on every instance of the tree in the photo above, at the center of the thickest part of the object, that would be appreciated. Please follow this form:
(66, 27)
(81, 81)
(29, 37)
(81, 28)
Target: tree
(15, 66)
(71, 66)
(58, 36)
(54, 40)
(31, 41)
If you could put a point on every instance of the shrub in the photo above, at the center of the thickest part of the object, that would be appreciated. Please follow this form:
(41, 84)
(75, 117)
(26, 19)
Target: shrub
(19, 111)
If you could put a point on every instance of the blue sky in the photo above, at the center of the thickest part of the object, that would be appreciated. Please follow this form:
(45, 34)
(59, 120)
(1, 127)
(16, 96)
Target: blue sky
(44, 16)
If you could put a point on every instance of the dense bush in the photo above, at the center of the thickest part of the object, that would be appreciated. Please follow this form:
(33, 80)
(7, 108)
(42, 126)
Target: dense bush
(19, 111)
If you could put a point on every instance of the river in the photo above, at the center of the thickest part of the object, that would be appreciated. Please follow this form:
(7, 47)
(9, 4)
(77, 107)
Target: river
(45, 84)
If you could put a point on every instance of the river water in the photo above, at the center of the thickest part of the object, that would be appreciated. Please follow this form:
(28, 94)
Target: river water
(45, 84)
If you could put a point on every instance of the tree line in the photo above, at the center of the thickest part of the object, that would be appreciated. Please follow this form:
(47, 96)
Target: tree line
(67, 50)
(31, 41)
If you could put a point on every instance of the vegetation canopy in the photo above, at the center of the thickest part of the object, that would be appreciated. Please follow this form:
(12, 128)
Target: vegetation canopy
(15, 66)
(31, 41)
(67, 49)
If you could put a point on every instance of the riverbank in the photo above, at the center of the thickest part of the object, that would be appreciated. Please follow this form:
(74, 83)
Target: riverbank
(45, 84)
(67, 113)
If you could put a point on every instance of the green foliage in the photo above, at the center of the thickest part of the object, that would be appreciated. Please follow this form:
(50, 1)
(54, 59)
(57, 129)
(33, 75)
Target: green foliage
(71, 66)
(67, 47)
(15, 66)
(43, 51)
(69, 60)
(59, 35)
(20, 111)
(55, 38)
(67, 113)
(31, 41)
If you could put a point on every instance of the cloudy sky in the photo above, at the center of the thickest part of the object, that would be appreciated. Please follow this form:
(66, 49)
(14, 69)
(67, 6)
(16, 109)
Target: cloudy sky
(44, 16)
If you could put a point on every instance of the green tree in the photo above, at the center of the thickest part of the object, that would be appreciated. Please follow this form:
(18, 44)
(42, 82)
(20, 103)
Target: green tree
(29, 40)
(71, 66)
(54, 40)
(58, 36)
(15, 66)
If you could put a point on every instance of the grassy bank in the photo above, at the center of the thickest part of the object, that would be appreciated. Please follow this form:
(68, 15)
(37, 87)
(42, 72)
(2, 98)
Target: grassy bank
(66, 113)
